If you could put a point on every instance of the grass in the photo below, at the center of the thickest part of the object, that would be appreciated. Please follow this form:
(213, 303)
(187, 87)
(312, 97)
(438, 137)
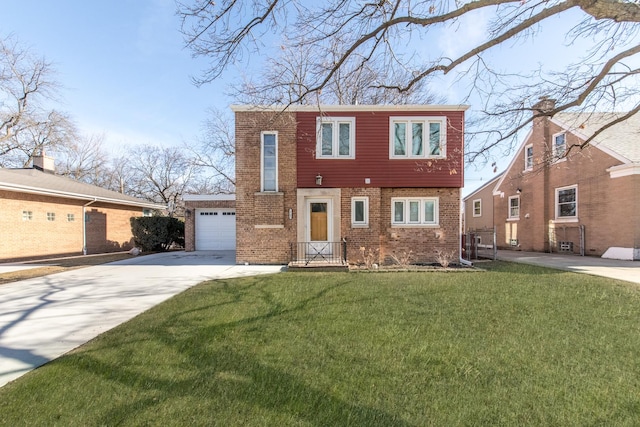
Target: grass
(58, 265)
(516, 345)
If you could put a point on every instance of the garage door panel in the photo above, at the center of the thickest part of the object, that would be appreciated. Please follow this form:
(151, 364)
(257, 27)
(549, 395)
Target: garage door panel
(215, 229)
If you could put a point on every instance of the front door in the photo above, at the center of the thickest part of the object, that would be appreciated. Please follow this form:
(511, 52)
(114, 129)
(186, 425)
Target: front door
(319, 226)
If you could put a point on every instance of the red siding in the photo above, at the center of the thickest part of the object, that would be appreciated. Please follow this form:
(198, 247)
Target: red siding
(372, 155)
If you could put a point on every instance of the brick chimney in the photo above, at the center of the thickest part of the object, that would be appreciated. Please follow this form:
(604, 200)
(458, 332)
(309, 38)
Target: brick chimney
(544, 106)
(44, 163)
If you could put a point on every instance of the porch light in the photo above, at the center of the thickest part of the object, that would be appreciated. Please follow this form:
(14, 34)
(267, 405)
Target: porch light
(318, 179)
(187, 213)
(519, 190)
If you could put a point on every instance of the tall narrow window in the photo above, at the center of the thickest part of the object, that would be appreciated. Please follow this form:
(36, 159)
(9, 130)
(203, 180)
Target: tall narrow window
(269, 155)
(514, 207)
(528, 157)
(477, 207)
(559, 145)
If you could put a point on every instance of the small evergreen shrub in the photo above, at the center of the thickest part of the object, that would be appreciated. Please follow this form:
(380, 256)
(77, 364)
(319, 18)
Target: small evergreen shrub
(157, 233)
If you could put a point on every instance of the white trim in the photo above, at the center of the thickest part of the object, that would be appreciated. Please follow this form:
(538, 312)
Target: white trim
(572, 218)
(268, 226)
(426, 143)
(554, 148)
(207, 197)
(360, 224)
(335, 147)
(421, 222)
(262, 135)
(509, 216)
(624, 170)
(528, 167)
(496, 191)
(473, 208)
(329, 203)
(347, 108)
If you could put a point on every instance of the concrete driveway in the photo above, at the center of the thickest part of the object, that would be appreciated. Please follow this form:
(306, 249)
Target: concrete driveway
(45, 317)
(611, 268)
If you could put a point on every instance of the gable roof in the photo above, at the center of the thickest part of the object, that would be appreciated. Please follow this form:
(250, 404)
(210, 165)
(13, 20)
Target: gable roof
(493, 180)
(34, 181)
(621, 140)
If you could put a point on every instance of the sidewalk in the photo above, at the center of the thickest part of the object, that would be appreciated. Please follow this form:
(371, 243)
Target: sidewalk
(611, 268)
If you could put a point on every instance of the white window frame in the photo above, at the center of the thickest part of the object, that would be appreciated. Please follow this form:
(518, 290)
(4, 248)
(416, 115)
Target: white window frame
(262, 172)
(528, 159)
(354, 222)
(71, 217)
(557, 156)
(147, 212)
(51, 216)
(510, 214)
(426, 149)
(335, 122)
(572, 218)
(27, 215)
(407, 221)
(479, 214)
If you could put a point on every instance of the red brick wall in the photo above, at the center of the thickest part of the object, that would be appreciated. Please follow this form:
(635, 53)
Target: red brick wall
(264, 230)
(108, 229)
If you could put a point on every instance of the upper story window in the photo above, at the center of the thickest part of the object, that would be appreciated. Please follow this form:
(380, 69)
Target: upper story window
(359, 211)
(514, 207)
(417, 137)
(71, 217)
(528, 157)
(567, 202)
(477, 207)
(414, 211)
(559, 145)
(336, 138)
(51, 216)
(27, 215)
(269, 161)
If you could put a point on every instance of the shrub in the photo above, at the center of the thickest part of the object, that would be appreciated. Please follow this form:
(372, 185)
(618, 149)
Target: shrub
(157, 233)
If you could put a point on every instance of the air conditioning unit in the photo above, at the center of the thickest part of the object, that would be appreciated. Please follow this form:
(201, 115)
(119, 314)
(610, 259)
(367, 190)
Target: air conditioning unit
(514, 242)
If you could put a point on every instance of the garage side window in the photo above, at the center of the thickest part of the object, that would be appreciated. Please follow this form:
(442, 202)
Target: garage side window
(269, 161)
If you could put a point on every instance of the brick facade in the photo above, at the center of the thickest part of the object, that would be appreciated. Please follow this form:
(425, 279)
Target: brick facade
(607, 207)
(269, 223)
(108, 228)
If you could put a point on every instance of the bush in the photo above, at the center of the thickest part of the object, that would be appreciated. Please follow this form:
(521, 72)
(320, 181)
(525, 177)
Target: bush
(157, 233)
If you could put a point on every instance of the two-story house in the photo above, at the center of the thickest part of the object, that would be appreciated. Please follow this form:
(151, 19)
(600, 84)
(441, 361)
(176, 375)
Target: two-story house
(383, 179)
(557, 197)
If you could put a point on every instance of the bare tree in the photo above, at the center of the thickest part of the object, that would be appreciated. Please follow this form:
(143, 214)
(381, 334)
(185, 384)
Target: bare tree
(85, 159)
(214, 155)
(347, 37)
(26, 127)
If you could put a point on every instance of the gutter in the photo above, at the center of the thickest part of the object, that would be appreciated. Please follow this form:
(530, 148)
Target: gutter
(84, 225)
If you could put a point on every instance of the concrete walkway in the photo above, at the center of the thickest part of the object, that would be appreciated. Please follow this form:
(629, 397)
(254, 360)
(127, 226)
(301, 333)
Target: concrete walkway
(45, 317)
(611, 268)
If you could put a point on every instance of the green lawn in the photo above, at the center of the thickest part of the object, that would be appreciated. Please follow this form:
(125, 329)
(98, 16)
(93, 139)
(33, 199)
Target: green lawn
(515, 345)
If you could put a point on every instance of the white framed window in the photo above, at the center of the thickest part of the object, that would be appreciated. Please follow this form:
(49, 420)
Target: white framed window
(415, 211)
(514, 207)
(51, 216)
(567, 202)
(71, 217)
(269, 161)
(559, 145)
(336, 138)
(417, 137)
(27, 215)
(528, 157)
(147, 212)
(359, 211)
(477, 207)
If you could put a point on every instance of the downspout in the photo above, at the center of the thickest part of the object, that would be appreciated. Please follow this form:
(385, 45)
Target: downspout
(84, 225)
(462, 260)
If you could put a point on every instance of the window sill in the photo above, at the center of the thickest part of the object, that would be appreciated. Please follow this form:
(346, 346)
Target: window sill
(335, 158)
(415, 225)
(564, 220)
(517, 218)
(417, 158)
(269, 193)
(359, 225)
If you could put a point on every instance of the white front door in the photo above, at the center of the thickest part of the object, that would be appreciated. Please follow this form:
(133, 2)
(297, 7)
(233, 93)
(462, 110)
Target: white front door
(319, 226)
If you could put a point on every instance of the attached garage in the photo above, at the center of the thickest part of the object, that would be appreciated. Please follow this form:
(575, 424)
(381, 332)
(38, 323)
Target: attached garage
(210, 222)
(215, 229)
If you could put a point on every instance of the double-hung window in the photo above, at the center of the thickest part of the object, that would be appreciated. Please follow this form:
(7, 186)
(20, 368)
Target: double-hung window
(528, 157)
(414, 211)
(359, 211)
(514, 207)
(417, 137)
(336, 138)
(269, 161)
(477, 207)
(559, 145)
(567, 202)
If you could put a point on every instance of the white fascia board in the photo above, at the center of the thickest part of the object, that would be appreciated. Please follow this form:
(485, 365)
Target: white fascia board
(624, 170)
(208, 197)
(348, 108)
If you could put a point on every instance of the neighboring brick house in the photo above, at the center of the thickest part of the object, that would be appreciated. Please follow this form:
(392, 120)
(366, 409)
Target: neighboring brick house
(587, 201)
(383, 178)
(42, 214)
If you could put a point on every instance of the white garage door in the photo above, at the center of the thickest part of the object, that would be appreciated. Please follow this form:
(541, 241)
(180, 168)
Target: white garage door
(215, 229)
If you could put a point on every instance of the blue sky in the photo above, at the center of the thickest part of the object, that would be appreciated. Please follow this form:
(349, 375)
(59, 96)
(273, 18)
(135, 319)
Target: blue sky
(126, 74)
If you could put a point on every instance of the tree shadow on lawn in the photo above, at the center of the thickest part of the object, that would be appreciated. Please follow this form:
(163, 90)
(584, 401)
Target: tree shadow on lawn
(222, 379)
